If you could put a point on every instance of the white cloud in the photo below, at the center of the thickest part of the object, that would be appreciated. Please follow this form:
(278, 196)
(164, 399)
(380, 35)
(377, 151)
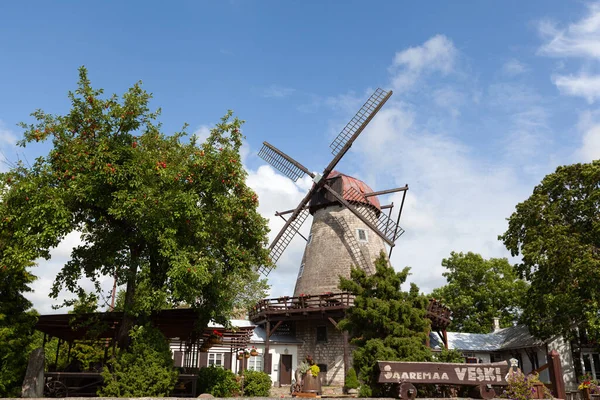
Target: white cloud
(276, 91)
(437, 54)
(582, 85)
(578, 39)
(278, 193)
(8, 141)
(450, 99)
(514, 67)
(202, 133)
(589, 126)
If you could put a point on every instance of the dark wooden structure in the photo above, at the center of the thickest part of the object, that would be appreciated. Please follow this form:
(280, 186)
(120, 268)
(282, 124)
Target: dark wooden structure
(183, 324)
(330, 307)
(405, 374)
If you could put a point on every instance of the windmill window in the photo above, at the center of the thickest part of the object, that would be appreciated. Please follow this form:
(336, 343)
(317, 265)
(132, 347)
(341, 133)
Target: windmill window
(301, 270)
(321, 334)
(362, 235)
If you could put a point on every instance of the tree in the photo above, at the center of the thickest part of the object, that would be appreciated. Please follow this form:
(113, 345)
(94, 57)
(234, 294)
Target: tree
(556, 231)
(479, 290)
(172, 213)
(16, 328)
(385, 322)
(143, 370)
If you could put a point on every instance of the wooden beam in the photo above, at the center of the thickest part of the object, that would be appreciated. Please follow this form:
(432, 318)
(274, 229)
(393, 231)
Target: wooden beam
(333, 322)
(275, 328)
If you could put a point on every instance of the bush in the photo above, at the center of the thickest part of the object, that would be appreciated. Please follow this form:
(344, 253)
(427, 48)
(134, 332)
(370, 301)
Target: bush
(144, 370)
(257, 383)
(523, 387)
(217, 381)
(351, 381)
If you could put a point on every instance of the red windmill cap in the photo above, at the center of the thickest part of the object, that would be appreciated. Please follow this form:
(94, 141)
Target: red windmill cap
(359, 186)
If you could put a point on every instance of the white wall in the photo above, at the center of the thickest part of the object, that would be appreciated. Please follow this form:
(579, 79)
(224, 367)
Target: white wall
(276, 350)
(566, 360)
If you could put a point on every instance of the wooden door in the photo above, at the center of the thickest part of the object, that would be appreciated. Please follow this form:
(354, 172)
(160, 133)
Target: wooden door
(285, 369)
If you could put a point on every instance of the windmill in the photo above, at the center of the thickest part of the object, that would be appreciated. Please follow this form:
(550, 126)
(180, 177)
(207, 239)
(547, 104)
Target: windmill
(339, 204)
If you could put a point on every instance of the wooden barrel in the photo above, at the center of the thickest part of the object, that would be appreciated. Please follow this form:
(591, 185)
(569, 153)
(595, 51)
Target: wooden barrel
(311, 384)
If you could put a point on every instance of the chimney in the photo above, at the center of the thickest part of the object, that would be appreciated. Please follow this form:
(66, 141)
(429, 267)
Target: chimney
(496, 324)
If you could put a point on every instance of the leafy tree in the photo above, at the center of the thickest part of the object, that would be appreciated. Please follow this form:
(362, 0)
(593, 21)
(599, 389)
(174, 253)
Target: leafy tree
(479, 290)
(16, 328)
(172, 213)
(143, 370)
(385, 322)
(556, 231)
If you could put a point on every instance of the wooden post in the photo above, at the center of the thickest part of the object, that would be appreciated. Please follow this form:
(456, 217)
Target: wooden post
(556, 375)
(267, 357)
(346, 355)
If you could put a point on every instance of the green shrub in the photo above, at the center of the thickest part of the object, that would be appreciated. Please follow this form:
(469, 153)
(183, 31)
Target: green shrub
(257, 383)
(144, 370)
(351, 381)
(217, 381)
(523, 387)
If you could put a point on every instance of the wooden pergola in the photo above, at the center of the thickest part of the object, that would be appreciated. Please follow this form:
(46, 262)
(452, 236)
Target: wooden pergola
(183, 325)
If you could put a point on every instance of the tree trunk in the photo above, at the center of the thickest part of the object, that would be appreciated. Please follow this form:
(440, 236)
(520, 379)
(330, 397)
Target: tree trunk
(128, 317)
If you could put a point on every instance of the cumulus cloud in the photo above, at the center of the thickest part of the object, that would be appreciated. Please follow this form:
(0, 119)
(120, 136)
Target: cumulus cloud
(437, 54)
(589, 126)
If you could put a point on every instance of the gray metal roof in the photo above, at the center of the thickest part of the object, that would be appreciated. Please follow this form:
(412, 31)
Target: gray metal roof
(515, 337)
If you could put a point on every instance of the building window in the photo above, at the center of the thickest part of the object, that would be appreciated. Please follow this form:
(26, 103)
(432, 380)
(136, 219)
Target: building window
(309, 239)
(362, 235)
(215, 359)
(301, 271)
(591, 364)
(321, 334)
(255, 363)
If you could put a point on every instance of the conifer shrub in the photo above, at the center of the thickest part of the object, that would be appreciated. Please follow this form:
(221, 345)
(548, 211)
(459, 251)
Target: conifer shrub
(145, 369)
(351, 381)
(257, 384)
(217, 381)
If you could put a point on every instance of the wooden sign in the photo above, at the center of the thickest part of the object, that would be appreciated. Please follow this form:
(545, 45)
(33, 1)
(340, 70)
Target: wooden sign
(443, 373)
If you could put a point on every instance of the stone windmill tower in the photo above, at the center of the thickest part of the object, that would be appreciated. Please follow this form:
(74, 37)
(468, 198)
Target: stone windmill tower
(349, 225)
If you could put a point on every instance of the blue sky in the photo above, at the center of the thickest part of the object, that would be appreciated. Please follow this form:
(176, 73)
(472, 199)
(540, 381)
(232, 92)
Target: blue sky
(488, 97)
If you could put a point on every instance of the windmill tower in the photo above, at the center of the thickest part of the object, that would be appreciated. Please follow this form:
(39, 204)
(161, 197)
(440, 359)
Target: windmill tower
(349, 225)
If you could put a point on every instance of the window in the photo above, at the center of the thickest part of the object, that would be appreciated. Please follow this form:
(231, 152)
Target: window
(362, 235)
(215, 359)
(255, 363)
(321, 334)
(591, 364)
(301, 271)
(309, 239)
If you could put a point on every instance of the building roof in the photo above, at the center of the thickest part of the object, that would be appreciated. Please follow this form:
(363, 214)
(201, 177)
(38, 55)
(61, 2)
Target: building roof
(515, 337)
(354, 189)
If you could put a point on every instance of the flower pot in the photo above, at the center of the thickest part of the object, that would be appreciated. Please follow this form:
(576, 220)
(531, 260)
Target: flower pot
(311, 384)
(253, 353)
(240, 357)
(215, 340)
(247, 355)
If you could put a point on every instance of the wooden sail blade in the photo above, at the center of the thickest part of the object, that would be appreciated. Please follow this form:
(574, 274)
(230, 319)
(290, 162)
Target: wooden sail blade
(359, 121)
(282, 162)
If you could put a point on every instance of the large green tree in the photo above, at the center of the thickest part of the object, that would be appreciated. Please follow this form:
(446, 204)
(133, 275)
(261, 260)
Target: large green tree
(556, 232)
(161, 209)
(385, 323)
(16, 328)
(479, 290)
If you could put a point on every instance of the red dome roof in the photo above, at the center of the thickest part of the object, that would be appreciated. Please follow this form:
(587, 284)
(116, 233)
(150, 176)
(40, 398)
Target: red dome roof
(354, 190)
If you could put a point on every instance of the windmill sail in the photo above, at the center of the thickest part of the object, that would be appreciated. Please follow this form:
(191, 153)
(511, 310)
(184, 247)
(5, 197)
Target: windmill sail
(360, 120)
(282, 162)
(382, 222)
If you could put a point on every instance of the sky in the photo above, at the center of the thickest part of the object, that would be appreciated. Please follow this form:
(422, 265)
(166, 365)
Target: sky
(489, 97)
